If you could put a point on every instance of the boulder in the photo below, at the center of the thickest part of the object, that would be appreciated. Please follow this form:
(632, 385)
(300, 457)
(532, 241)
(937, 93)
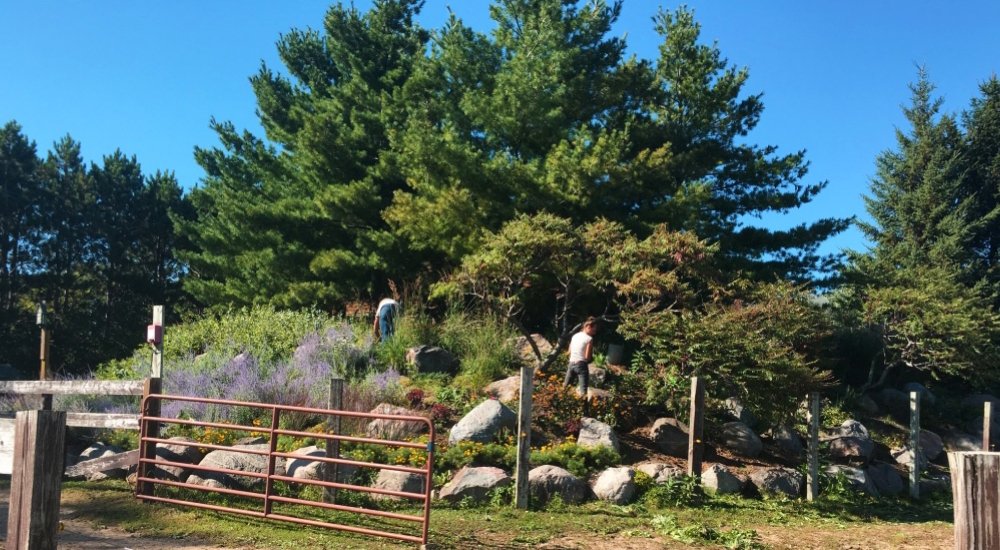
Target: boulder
(852, 449)
(474, 483)
(975, 427)
(739, 438)
(892, 400)
(930, 444)
(857, 479)
(179, 453)
(671, 436)
(868, 405)
(926, 397)
(483, 422)
(403, 482)
(976, 402)
(430, 359)
(853, 428)
(661, 473)
(505, 390)
(596, 394)
(904, 457)
(718, 480)
(597, 375)
(594, 433)
(885, 478)
(303, 468)
(235, 460)
(615, 485)
(546, 482)
(524, 351)
(100, 450)
(787, 440)
(395, 430)
(937, 484)
(958, 441)
(735, 408)
(778, 481)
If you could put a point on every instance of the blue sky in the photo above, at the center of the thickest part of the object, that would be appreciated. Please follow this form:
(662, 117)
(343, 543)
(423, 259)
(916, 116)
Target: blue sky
(146, 77)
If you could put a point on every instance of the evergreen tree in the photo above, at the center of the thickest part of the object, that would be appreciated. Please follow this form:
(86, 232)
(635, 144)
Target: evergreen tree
(982, 180)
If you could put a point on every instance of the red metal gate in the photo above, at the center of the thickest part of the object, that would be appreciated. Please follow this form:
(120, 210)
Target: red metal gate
(147, 480)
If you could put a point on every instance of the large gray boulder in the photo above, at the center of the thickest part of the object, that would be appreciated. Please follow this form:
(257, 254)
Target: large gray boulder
(852, 449)
(661, 473)
(304, 468)
(975, 427)
(885, 478)
(395, 430)
(235, 460)
(100, 450)
(594, 433)
(892, 400)
(615, 485)
(926, 397)
(857, 479)
(483, 422)
(431, 359)
(403, 482)
(546, 482)
(474, 483)
(930, 444)
(524, 351)
(597, 375)
(183, 450)
(778, 481)
(505, 390)
(904, 457)
(786, 440)
(955, 442)
(671, 436)
(976, 402)
(739, 438)
(867, 405)
(739, 412)
(718, 480)
(853, 428)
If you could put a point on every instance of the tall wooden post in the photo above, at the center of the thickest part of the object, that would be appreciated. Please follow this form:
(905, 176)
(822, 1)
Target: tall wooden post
(915, 444)
(812, 486)
(148, 429)
(987, 424)
(975, 482)
(331, 471)
(524, 438)
(697, 428)
(44, 370)
(35, 485)
(157, 363)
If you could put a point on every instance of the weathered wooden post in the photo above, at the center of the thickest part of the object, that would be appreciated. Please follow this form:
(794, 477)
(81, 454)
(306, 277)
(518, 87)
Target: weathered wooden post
(697, 428)
(149, 429)
(521, 489)
(331, 471)
(35, 485)
(155, 337)
(987, 424)
(975, 482)
(42, 320)
(915, 444)
(812, 486)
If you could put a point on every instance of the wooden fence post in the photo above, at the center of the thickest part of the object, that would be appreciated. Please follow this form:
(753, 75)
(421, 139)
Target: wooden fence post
(697, 428)
(812, 486)
(157, 362)
(987, 424)
(331, 471)
(148, 429)
(521, 489)
(975, 481)
(915, 444)
(35, 486)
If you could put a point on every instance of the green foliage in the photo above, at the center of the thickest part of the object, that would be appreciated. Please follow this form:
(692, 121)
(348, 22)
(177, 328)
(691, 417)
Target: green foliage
(501, 455)
(677, 491)
(733, 539)
(579, 461)
(125, 440)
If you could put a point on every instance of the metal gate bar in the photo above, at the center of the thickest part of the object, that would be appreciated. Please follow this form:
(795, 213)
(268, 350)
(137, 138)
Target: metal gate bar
(147, 466)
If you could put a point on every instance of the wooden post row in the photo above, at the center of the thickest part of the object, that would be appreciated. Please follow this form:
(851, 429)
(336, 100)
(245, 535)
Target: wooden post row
(975, 479)
(697, 429)
(331, 471)
(524, 438)
(35, 486)
(812, 486)
(915, 444)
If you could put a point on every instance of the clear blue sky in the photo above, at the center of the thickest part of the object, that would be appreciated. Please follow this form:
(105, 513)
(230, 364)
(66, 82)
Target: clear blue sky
(146, 77)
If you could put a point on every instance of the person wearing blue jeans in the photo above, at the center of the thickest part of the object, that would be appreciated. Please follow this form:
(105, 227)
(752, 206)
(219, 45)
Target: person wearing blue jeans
(385, 319)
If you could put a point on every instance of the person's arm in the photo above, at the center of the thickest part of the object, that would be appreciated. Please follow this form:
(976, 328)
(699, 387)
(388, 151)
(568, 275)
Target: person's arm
(589, 351)
(375, 327)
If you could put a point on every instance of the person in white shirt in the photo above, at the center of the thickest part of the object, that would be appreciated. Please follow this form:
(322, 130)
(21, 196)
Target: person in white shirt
(581, 352)
(385, 319)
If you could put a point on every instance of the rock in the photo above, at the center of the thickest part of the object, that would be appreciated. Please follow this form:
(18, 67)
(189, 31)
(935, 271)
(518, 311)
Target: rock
(181, 454)
(885, 478)
(735, 408)
(100, 450)
(718, 480)
(615, 485)
(739, 438)
(671, 436)
(303, 468)
(483, 422)
(778, 481)
(904, 457)
(429, 359)
(252, 440)
(474, 483)
(596, 394)
(892, 400)
(977, 401)
(852, 449)
(926, 397)
(868, 405)
(505, 390)
(396, 430)
(594, 433)
(975, 427)
(235, 460)
(661, 473)
(546, 482)
(957, 442)
(930, 444)
(404, 482)
(939, 484)
(524, 351)
(853, 428)
(857, 479)
(787, 440)
(597, 375)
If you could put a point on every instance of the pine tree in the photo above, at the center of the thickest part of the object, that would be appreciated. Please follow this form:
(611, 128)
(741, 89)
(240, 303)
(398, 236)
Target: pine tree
(982, 180)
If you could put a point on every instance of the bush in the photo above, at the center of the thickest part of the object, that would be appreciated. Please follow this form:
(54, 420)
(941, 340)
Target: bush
(579, 461)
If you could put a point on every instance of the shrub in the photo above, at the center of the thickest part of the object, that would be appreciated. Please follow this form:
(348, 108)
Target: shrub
(580, 461)
(501, 455)
(557, 408)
